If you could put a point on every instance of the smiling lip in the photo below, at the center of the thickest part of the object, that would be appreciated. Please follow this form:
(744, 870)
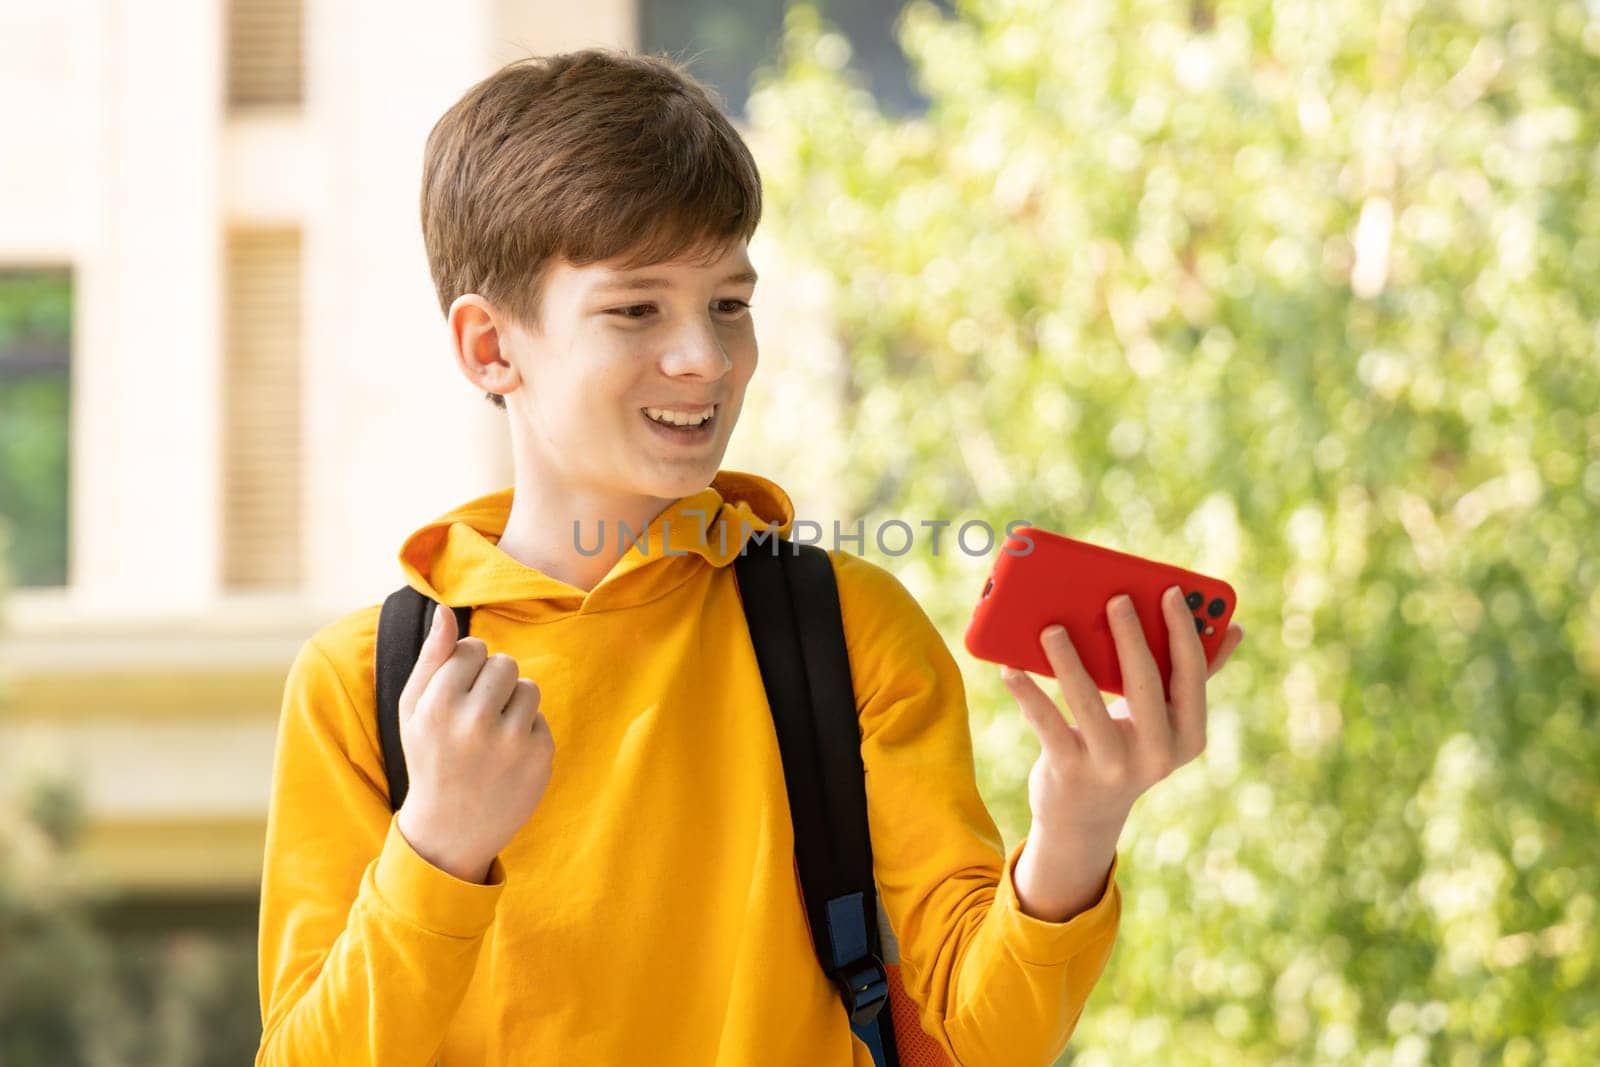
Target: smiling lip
(682, 409)
(714, 408)
(686, 434)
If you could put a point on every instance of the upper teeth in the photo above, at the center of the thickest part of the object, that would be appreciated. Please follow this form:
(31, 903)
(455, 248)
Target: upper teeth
(680, 418)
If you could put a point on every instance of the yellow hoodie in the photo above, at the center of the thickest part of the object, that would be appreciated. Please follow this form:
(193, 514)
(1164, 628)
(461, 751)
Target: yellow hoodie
(649, 912)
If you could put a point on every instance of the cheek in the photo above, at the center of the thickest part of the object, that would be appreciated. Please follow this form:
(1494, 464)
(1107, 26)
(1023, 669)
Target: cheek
(605, 376)
(746, 356)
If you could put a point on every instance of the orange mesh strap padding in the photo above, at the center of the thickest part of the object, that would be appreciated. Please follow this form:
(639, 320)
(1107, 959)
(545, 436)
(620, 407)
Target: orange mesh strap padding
(917, 1049)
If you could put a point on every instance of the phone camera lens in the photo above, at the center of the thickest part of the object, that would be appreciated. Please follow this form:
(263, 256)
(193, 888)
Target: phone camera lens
(1199, 626)
(1216, 608)
(1194, 600)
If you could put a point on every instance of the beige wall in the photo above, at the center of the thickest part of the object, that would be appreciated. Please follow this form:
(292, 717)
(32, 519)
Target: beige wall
(145, 677)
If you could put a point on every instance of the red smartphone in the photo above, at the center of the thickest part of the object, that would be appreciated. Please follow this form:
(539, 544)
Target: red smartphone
(1042, 578)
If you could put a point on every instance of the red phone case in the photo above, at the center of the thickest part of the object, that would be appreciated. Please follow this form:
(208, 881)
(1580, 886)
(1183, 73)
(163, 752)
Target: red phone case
(1069, 582)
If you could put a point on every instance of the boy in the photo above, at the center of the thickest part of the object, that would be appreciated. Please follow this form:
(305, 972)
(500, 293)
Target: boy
(635, 901)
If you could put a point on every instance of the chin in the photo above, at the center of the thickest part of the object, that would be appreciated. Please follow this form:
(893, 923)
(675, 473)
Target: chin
(687, 478)
(687, 483)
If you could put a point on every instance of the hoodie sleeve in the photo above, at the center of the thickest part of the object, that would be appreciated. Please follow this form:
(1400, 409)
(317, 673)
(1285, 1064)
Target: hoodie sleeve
(366, 949)
(993, 985)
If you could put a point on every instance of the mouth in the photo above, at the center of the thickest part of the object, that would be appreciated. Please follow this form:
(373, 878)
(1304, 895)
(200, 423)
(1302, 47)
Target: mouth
(678, 425)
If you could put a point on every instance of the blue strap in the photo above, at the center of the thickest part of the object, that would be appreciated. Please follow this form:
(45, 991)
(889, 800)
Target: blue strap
(870, 1033)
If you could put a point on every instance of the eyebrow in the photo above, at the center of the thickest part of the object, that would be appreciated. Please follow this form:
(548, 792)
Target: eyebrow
(641, 284)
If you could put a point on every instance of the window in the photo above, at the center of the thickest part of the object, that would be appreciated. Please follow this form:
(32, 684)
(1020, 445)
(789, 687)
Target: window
(724, 42)
(264, 52)
(35, 381)
(261, 410)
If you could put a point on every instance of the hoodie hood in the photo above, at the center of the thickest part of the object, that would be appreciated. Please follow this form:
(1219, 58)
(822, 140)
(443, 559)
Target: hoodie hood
(456, 559)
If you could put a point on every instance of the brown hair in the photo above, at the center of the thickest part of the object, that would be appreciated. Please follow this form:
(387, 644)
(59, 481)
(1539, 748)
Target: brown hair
(585, 155)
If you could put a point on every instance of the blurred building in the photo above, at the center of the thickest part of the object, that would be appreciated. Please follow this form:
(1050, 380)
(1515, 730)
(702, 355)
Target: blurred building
(226, 390)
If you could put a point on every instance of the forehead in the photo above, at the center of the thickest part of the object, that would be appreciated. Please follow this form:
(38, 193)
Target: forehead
(728, 264)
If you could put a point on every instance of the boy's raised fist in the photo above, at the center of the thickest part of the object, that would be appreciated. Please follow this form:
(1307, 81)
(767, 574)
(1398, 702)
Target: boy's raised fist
(478, 750)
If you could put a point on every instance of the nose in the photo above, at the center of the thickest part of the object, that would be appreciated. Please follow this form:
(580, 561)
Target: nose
(697, 352)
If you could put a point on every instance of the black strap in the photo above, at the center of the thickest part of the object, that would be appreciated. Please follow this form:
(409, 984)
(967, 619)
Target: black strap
(402, 628)
(791, 606)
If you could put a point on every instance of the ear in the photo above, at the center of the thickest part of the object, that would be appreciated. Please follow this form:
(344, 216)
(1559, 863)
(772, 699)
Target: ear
(482, 338)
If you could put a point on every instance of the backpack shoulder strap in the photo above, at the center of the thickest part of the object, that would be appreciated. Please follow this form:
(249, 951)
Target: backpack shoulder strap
(402, 627)
(791, 603)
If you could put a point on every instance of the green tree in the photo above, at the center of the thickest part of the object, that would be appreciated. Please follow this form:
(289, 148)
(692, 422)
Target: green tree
(53, 965)
(1303, 295)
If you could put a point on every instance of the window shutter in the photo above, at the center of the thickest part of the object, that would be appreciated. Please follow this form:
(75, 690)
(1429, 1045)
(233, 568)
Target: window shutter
(264, 52)
(261, 410)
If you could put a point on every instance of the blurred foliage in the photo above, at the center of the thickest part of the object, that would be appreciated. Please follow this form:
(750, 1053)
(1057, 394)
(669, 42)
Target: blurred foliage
(49, 957)
(75, 992)
(1302, 295)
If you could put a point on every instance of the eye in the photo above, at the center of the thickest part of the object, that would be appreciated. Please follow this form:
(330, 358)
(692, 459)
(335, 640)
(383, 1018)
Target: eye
(626, 312)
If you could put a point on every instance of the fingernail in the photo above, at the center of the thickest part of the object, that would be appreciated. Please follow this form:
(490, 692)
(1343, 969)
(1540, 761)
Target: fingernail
(1172, 594)
(1054, 631)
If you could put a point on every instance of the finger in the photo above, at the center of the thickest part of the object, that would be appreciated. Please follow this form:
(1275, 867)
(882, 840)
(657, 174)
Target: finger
(1230, 641)
(1188, 684)
(452, 682)
(496, 680)
(1082, 695)
(437, 646)
(523, 707)
(1141, 678)
(1055, 733)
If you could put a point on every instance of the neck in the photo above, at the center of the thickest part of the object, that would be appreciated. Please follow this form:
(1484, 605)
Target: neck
(539, 530)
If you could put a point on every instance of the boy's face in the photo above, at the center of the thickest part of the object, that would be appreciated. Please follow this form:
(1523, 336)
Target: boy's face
(613, 349)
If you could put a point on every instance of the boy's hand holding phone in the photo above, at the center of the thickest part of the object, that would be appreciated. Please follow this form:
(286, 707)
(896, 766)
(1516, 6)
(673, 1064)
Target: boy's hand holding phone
(1088, 775)
(478, 749)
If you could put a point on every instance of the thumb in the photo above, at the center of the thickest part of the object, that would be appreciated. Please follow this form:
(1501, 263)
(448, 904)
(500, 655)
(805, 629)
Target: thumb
(441, 639)
(437, 647)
